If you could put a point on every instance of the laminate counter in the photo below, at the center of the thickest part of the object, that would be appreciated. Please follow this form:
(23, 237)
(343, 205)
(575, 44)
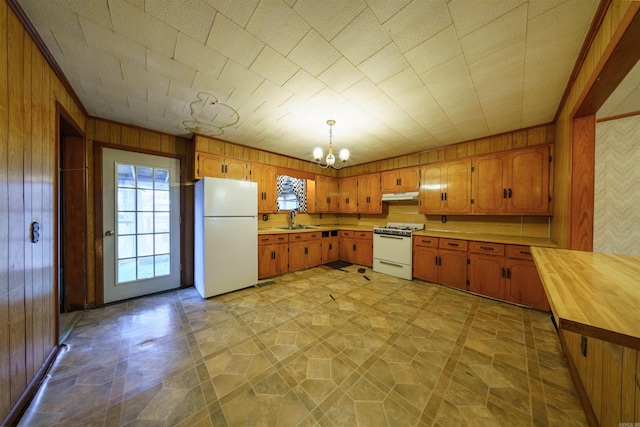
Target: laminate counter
(595, 294)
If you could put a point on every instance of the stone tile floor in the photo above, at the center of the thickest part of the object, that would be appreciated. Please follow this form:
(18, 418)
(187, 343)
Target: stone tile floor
(386, 351)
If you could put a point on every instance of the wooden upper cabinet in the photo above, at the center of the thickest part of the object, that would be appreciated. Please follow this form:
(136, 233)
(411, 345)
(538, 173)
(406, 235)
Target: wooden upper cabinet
(220, 167)
(445, 187)
(400, 180)
(528, 176)
(369, 196)
(512, 182)
(348, 195)
(267, 178)
(327, 194)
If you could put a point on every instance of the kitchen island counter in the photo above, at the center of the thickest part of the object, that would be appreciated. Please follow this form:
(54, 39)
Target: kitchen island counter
(595, 294)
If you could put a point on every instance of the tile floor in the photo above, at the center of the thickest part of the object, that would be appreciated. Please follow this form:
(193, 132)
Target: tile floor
(385, 352)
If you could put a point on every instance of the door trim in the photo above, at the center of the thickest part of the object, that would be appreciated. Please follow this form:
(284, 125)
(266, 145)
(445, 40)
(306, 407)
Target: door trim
(186, 225)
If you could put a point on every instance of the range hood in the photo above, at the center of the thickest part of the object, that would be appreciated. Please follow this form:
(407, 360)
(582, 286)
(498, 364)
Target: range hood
(393, 197)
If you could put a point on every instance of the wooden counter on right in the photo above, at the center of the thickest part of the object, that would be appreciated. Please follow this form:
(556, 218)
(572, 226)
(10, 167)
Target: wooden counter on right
(595, 300)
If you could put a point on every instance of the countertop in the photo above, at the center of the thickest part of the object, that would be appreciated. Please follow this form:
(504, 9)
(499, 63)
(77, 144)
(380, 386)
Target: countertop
(594, 294)
(477, 237)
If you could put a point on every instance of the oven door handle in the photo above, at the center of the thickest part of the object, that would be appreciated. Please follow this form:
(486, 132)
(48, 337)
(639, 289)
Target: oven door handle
(390, 237)
(395, 264)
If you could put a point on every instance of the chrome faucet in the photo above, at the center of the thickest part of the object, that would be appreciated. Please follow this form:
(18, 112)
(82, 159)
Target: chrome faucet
(292, 215)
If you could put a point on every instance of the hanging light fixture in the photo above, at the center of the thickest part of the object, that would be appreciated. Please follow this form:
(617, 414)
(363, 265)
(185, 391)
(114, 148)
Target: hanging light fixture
(331, 159)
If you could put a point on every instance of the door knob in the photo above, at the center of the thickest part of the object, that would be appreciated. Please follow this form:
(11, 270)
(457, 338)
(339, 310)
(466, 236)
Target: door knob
(109, 233)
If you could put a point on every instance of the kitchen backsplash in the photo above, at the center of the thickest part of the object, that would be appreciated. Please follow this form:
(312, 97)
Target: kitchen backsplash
(530, 226)
(617, 193)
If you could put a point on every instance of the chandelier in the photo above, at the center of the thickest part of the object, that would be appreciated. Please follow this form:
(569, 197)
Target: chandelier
(331, 159)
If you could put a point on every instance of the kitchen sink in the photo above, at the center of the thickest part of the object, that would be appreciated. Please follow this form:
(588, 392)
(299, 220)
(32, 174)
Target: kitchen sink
(296, 227)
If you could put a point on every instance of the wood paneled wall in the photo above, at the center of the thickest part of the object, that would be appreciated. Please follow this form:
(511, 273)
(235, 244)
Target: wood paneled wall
(606, 37)
(118, 135)
(29, 92)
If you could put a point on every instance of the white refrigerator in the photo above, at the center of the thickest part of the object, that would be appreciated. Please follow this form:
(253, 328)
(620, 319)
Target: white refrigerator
(226, 235)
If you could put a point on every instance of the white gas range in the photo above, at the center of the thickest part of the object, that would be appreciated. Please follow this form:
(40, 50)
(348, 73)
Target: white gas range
(392, 248)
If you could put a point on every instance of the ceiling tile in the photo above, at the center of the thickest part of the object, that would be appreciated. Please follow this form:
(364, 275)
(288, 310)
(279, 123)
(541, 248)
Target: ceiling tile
(405, 81)
(385, 9)
(341, 75)
(384, 64)
(329, 17)
(361, 92)
(469, 16)
(104, 40)
(361, 38)
(417, 22)
(303, 84)
(435, 51)
(198, 56)
(192, 17)
(314, 54)
(277, 25)
(274, 66)
(238, 11)
(170, 68)
(233, 41)
(142, 28)
(495, 36)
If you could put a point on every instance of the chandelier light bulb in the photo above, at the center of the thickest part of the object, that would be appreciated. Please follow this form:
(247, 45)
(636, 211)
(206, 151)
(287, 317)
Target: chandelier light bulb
(331, 159)
(318, 154)
(344, 155)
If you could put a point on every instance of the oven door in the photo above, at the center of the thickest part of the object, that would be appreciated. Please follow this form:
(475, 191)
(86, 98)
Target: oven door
(392, 248)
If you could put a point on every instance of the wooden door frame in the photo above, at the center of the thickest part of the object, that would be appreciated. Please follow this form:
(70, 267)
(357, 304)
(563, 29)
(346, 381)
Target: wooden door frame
(66, 127)
(186, 209)
(621, 55)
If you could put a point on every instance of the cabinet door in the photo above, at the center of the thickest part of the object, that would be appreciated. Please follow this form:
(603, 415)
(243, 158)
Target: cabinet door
(313, 253)
(409, 179)
(327, 194)
(267, 178)
(456, 181)
(487, 275)
(489, 184)
(389, 181)
(528, 192)
(452, 268)
(425, 260)
(330, 249)
(281, 259)
(236, 169)
(297, 256)
(430, 196)
(364, 252)
(369, 198)
(265, 261)
(524, 285)
(348, 195)
(209, 165)
(347, 249)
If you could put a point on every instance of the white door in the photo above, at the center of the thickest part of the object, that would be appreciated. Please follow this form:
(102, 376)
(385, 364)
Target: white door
(141, 219)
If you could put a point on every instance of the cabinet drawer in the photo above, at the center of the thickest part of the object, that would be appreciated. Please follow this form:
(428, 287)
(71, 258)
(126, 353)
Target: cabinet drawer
(300, 237)
(346, 233)
(428, 242)
(521, 252)
(265, 239)
(363, 234)
(280, 238)
(487, 248)
(453, 244)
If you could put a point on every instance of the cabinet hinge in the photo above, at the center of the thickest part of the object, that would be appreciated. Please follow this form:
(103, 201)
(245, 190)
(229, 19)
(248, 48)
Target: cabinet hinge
(468, 261)
(468, 283)
(472, 201)
(473, 168)
(549, 199)
(550, 159)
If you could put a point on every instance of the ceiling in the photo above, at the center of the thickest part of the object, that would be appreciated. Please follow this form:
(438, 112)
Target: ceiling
(397, 76)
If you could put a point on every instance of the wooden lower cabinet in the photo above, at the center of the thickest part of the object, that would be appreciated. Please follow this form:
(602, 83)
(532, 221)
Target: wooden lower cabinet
(273, 255)
(356, 247)
(452, 268)
(425, 258)
(330, 246)
(305, 250)
(487, 270)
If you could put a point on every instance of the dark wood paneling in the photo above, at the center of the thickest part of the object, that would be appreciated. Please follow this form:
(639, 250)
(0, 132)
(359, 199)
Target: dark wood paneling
(16, 233)
(5, 401)
(582, 183)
